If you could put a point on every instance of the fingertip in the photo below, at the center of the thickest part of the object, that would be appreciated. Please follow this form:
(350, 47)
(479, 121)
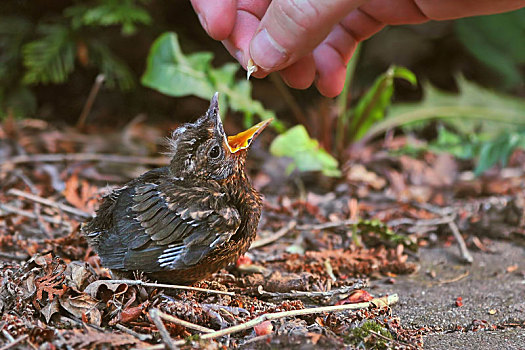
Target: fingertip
(301, 74)
(331, 71)
(216, 17)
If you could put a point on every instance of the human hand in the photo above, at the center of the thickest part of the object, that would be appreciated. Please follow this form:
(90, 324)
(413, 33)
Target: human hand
(314, 40)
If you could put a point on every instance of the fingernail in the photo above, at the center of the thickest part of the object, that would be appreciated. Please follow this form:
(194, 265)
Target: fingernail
(204, 25)
(266, 52)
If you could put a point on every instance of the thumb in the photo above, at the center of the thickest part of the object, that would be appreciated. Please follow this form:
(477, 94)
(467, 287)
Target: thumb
(292, 28)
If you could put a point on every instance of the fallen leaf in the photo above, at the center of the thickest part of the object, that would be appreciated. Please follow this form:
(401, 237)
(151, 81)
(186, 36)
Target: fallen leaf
(132, 313)
(357, 296)
(91, 339)
(50, 309)
(263, 328)
(512, 268)
(82, 306)
(95, 289)
(79, 275)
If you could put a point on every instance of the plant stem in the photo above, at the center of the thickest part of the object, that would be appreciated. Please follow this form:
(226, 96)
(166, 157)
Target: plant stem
(342, 100)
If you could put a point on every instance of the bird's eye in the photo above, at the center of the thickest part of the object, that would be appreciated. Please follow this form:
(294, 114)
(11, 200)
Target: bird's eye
(215, 152)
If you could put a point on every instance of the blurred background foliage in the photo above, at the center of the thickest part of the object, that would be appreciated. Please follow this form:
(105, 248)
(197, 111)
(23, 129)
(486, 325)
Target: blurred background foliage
(466, 100)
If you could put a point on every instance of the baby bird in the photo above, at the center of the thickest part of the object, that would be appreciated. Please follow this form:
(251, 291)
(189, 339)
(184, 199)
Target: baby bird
(183, 222)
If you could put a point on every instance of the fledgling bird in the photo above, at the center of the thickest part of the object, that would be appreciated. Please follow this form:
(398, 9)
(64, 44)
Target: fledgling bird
(185, 221)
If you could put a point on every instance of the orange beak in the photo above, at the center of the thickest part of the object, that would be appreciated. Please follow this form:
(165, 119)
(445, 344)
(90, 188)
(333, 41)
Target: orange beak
(244, 139)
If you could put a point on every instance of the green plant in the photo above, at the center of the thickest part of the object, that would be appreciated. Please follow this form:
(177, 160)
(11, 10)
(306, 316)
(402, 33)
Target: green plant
(364, 335)
(48, 51)
(15, 97)
(487, 126)
(488, 150)
(494, 41)
(354, 123)
(174, 73)
(305, 152)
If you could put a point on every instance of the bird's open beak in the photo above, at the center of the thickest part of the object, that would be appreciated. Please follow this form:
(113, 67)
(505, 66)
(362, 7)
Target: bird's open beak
(244, 139)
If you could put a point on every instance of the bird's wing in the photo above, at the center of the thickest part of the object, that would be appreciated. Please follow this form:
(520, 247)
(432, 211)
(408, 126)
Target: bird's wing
(166, 226)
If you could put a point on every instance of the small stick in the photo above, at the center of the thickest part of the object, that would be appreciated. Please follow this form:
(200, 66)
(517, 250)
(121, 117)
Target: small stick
(280, 233)
(289, 99)
(8, 336)
(64, 207)
(455, 279)
(14, 210)
(465, 254)
(4, 255)
(428, 222)
(154, 314)
(168, 286)
(327, 225)
(84, 157)
(184, 323)
(303, 294)
(99, 80)
(141, 337)
(387, 300)
(14, 342)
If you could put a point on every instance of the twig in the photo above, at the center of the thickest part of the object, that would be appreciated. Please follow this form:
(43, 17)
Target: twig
(36, 207)
(379, 335)
(154, 314)
(8, 336)
(64, 207)
(327, 225)
(295, 294)
(280, 233)
(84, 157)
(13, 257)
(465, 254)
(168, 286)
(99, 80)
(15, 342)
(14, 210)
(289, 99)
(428, 222)
(455, 279)
(139, 336)
(257, 338)
(184, 323)
(387, 300)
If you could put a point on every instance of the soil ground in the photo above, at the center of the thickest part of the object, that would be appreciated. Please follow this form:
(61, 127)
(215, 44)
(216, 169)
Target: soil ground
(493, 295)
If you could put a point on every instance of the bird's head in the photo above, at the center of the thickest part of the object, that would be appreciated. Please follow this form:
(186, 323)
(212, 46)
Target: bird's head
(202, 149)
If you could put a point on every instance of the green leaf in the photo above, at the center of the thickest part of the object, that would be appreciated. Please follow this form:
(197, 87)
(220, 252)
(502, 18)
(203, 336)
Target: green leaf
(107, 13)
(372, 106)
(173, 73)
(473, 109)
(115, 71)
(495, 41)
(305, 152)
(51, 58)
(499, 150)
(455, 144)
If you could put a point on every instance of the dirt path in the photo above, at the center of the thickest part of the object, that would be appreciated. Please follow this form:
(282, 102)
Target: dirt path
(493, 294)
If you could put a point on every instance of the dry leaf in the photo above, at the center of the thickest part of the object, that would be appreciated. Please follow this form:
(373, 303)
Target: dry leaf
(50, 309)
(263, 328)
(97, 287)
(357, 296)
(82, 306)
